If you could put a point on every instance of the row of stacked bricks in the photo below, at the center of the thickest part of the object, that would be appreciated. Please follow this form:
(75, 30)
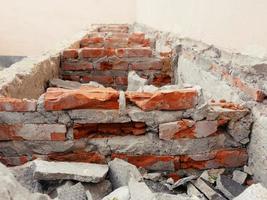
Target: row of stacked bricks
(165, 130)
(107, 54)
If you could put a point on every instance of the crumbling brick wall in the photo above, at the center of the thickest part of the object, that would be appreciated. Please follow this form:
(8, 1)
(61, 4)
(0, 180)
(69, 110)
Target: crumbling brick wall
(170, 129)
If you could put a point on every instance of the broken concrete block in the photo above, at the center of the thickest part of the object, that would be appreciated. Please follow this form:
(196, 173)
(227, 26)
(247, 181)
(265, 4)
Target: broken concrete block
(59, 83)
(75, 192)
(98, 116)
(121, 193)
(148, 88)
(120, 172)
(61, 188)
(211, 175)
(207, 190)
(10, 188)
(156, 176)
(139, 190)
(83, 172)
(239, 176)
(164, 196)
(248, 170)
(135, 81)
(228, 187)
(183, 181)
(193, 191)
(94, 84)
(255, 192)
(24, 175)
(98, 190)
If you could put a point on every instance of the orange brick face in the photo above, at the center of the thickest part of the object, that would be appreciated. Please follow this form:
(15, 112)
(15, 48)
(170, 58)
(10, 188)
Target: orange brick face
(61, 99)
(17, 105)
(70, 54)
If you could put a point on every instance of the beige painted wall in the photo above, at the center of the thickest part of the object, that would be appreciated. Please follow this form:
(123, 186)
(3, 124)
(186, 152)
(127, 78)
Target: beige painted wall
(28, 27)
(239, 25)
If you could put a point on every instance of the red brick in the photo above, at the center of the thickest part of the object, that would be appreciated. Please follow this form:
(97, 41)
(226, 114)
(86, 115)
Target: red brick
(104, 66)
(92, 42)
(70, 54)
(100, 79)
(14, 161)
(227, 158)
(32, 132)
(137, 38)
(161, 79)
(71, 77)
(77, 66)
(164, 100)
(150, 65)
(93, 52)
(134, 52)
(17, 105)
(83, 98)
(116, 42)
(107, 130)
(145, 161)
(120, 65)
(78, 156)
(121, 80)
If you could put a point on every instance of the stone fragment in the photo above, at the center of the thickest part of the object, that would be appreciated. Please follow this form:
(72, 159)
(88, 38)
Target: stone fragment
(193, 191)
(121, 171)
(17, 105)
(139, 190)
(122, 104)
(255, 192)
(75, 192)
(182, 181)
(54, 132)
(248, 170)
(121, 193)
(98, 116)
(24, 175)
(164, 100)
(98, 190)
(156, 176)
(135, 82)
(59, 191)
(94, 84)
(83, 172)
(164, 196)
(10, 188)
(239, 176)
(59, 83)
(229, 187)
(148, 88)
(211, 175)
(85, 97)
(207, 190)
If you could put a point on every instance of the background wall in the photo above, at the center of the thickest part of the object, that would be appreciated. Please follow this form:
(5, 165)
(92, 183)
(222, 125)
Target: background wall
(28, 27)
(239, 25)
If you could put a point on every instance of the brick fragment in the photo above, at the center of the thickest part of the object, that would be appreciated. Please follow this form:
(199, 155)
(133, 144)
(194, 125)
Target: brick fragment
(54, 132)
(70, 54)
(149, 65)
(107, 130)
(85, 97)
(164, 100)
(149, 162)
(134, 52)
(92, 42)
(161, 79)
(121, 80)
(92, 52)
(78, 66)
(78, 156)
(71, 77)
(17, 105)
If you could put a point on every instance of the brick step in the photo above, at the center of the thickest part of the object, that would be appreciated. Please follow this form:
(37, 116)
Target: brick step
(113, 71)
(115, 40)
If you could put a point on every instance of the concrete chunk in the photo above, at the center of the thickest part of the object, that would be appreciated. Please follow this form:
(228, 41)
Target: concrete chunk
(121, 193)
(83, 172)
(139, 190)
(228, 187)
(239, 176)
(121, 171)
(75, 192)
(207, 190)
(135, 81)
(255, 192)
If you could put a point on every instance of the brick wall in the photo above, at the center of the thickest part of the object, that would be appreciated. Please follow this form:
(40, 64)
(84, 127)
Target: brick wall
(109, 53)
